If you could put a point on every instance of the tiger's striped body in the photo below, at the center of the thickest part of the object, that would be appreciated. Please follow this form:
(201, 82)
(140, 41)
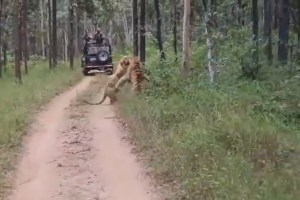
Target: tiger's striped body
(109, 90)
(134, 74)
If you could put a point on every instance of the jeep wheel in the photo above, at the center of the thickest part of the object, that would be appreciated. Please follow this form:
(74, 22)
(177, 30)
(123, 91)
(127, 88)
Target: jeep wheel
(109, 72)
(85, 72)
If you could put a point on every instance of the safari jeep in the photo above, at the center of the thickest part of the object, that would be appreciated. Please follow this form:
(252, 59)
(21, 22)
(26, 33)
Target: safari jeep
(97, 57)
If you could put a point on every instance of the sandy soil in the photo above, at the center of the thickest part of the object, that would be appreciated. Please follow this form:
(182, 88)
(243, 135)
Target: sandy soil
(76, 152)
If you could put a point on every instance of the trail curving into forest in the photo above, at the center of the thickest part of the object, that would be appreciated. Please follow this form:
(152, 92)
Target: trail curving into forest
(76, 152)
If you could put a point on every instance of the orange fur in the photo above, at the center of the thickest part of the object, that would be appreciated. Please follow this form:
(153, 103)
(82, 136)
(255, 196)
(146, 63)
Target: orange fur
(109, 90)
(134, 74)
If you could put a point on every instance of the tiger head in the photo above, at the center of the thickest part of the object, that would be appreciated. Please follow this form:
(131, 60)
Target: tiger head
(125, 61)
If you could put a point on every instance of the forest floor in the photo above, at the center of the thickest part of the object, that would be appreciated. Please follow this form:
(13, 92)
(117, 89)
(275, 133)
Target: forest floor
(77, 151)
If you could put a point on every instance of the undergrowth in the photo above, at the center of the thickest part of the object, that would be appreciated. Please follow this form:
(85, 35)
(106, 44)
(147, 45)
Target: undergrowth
(238, 139)
(18, 103)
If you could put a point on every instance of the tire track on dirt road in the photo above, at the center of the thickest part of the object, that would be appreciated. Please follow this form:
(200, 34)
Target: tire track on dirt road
(76, 152)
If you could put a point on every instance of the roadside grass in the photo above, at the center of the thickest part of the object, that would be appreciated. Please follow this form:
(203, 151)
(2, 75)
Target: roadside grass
(235, 140)
(18, 104)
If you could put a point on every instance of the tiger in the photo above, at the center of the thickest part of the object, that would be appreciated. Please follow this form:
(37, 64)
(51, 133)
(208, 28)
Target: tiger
(134, 74)
(109, 89)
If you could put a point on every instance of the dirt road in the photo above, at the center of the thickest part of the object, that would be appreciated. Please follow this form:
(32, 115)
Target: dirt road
(76, 152)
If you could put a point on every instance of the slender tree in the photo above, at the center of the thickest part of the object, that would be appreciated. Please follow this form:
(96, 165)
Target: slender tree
(71, 36)
(50, 34)
(158, 30)
(42, 27)
(255, 29)
(175, 28)
(143, 31)
(25, 36)
(18, 41)
(268, 16)
(239, 11)
(135, 21)
(1, 11)
(186, 38)
(209, 8)
(284, 25)
(298, 8)
(54, 34)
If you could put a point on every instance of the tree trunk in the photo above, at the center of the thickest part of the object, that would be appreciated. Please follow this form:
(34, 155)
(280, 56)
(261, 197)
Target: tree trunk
(284, 22)
(50, 34)
(298, 53)
(66, 42)
(18, 42)
(126, 29)
(42, 27)
(71, 19)
(268, 16)
(175, 29)
(209, 41)
(76, 27)
(25, 36)
(5, 44)
(186, 38)
(1, 63)
(239, 11)
(54, 40)
(135, 31)
(255, 29)
(84, 21)
(158, 29)
(143, 32)
(4, 55)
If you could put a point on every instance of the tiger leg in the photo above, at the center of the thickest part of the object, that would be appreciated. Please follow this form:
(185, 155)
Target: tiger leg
(136, 85)
(113, 99)
(121, 82)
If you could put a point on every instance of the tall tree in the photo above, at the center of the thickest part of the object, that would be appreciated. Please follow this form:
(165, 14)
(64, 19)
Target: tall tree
(298, 9)
(18, 41)
(255, 29)
(5, 43)
(25, 35)
(54, 33)
(135, 21)
(42, 27)
(268, 16)
(284, 25)
(186, 38)
(143, 31)
(71, 36)
(175, 27)
(239, 11)
(50, 34)
(158, 30)
(209, 8)
(1, 11)
(76, 31)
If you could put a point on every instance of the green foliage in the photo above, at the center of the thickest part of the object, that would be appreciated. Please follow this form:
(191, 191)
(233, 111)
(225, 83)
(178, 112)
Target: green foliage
(237, 140)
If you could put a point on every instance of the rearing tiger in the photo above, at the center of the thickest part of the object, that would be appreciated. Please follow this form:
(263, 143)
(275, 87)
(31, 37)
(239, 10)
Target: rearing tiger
(129, 69)
(134, 74)
(109, 89)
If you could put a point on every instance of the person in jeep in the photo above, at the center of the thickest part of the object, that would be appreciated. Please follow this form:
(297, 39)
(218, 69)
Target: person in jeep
(102, 40)
(87, 37)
